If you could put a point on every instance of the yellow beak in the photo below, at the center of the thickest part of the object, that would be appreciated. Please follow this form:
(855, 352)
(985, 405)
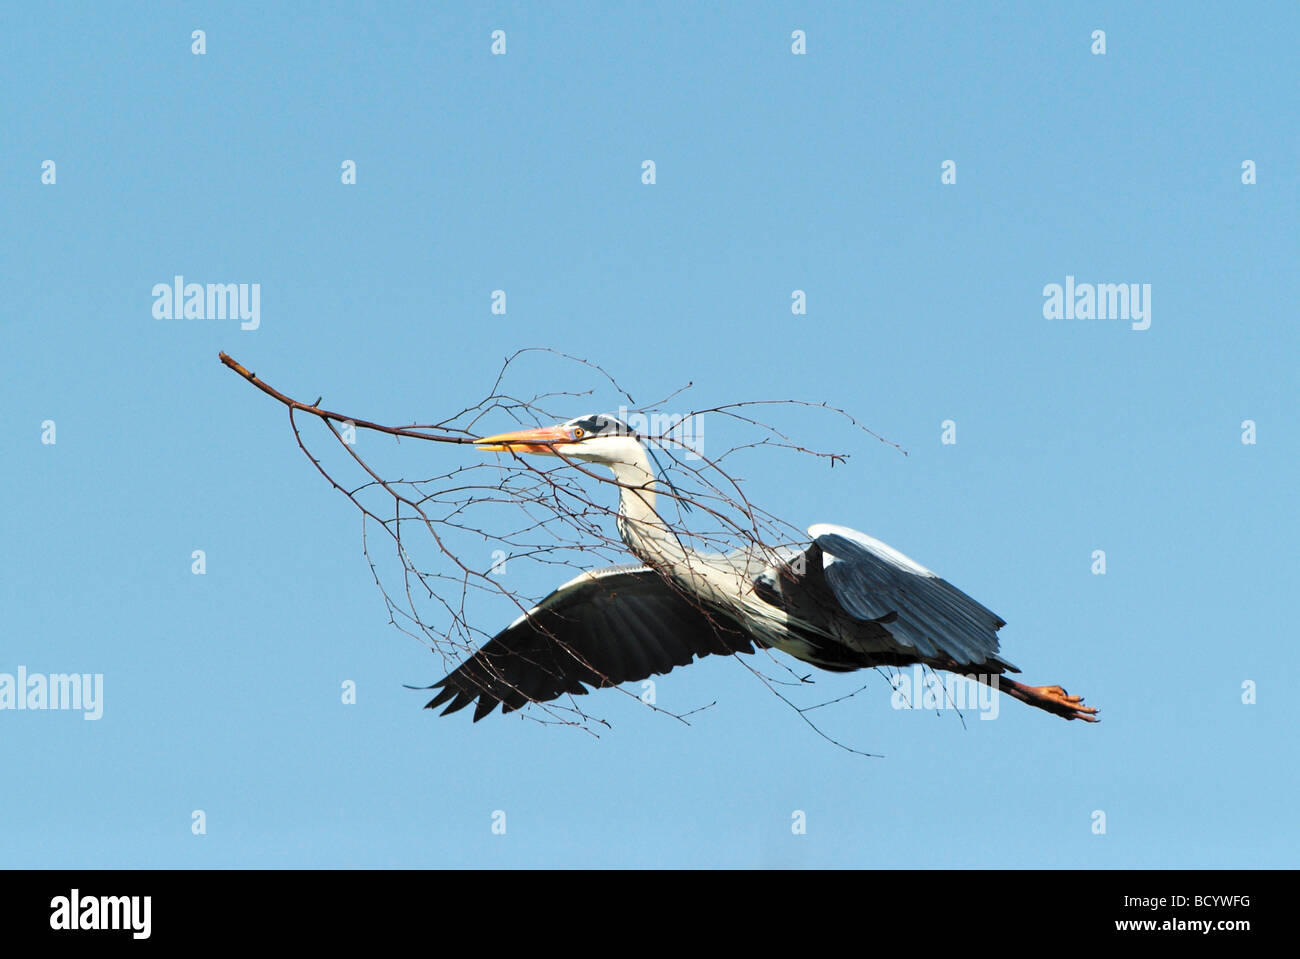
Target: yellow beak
(540, 440)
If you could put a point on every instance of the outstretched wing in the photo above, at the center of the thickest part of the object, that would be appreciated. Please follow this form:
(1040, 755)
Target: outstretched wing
(602, 628)
(921, 612)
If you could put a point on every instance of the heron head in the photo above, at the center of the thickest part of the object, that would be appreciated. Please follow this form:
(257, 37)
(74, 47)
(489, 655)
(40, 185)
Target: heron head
(596, 438)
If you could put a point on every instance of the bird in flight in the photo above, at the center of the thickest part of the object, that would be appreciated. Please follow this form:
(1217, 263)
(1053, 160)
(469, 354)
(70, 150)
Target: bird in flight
(844, 602)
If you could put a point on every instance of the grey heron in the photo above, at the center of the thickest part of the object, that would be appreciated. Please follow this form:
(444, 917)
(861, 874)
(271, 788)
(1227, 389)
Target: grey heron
(843, 602)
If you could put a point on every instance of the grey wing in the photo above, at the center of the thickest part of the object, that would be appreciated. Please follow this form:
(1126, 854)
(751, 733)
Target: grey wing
(921, 611)
(602, 628)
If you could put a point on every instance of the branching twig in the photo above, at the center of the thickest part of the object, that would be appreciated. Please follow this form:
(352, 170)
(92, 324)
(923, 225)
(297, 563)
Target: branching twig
(544, 516)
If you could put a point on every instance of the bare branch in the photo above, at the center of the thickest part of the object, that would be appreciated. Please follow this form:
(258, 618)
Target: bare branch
(530, 518)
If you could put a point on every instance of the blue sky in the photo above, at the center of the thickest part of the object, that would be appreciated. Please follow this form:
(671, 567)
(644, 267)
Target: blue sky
(774, 173)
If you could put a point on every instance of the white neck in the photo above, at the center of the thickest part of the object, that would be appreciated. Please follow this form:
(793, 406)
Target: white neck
(639, 522)
(654, 542)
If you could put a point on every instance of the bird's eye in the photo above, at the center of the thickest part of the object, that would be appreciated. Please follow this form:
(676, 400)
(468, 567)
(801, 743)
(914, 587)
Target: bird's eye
(579, 432)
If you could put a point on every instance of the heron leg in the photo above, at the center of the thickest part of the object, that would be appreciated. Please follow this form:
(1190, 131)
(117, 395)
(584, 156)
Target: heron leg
(1054, 699)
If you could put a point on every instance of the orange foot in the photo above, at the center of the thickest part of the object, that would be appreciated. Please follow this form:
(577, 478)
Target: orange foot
(1056, 700)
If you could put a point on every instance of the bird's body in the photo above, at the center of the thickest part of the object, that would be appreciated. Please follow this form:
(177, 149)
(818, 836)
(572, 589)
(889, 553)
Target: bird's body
(845, 601)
